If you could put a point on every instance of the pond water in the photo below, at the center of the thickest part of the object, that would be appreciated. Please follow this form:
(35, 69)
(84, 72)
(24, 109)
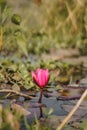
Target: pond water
(60, 107)
(48, 103)
(60, 102)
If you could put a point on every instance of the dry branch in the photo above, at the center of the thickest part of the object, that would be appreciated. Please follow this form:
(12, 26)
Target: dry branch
(15, 92)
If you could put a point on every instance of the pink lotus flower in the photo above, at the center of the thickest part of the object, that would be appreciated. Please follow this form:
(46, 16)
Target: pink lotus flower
(41, 78)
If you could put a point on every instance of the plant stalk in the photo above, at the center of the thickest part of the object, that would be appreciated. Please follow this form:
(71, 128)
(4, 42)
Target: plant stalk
(40, 98)
(41, 112)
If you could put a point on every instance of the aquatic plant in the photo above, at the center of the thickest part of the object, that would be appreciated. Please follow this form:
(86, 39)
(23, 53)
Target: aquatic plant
(41, 78)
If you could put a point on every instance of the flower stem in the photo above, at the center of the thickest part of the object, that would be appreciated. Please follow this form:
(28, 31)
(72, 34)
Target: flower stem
(40, 98)
(41, 112)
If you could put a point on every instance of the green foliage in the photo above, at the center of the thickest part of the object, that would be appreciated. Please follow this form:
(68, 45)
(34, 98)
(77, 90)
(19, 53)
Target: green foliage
(16, 19)
(32, 29)
(4, 12)
(21, 42)
(8, 121)
(39, 43)
(83, 49)
(12, 35)
(2, 4)
(61, 24)
(17, 73)
(36, 126)
(84, 125)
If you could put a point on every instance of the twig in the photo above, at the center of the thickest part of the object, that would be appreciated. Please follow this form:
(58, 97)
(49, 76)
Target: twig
(72, 111)
(16, 92)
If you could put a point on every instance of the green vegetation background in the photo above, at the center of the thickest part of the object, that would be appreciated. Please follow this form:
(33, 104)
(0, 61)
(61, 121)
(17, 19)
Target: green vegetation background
(43, 25)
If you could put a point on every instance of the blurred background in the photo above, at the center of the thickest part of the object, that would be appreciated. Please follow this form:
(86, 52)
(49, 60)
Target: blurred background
(42, 26)
(41, 34)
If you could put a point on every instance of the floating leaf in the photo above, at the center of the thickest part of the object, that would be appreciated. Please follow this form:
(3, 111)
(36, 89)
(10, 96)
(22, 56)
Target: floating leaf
(16, 87)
